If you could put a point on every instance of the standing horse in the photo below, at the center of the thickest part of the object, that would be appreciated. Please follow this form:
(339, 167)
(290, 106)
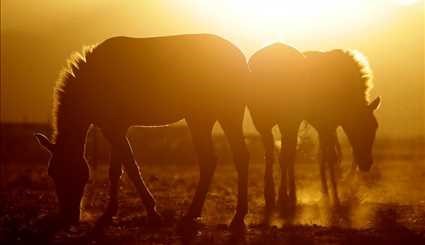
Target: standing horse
(150, 82)
(326, 89)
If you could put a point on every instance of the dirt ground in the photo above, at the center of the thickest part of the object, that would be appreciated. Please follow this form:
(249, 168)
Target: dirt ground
(386, 206)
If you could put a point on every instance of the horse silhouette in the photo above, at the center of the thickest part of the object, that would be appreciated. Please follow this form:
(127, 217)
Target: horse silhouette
(150, 82)
(327, 89)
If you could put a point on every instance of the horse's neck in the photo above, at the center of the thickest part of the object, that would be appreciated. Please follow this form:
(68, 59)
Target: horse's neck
(71, 123)
(74, 137)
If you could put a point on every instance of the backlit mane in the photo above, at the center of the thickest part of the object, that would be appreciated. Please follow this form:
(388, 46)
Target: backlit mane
(66, 84)
(355, 71)
(364, 69)
(347, 71)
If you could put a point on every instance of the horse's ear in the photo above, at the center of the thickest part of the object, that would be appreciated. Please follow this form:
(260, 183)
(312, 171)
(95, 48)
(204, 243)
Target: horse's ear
(375, 104)
(44, 141)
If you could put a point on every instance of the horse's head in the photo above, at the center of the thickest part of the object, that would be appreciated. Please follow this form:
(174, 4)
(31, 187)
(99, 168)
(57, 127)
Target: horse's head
(361, 128)
(69, 171)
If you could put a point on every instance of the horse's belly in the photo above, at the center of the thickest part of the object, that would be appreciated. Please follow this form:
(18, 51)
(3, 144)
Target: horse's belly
(157, 118)
(155, 112)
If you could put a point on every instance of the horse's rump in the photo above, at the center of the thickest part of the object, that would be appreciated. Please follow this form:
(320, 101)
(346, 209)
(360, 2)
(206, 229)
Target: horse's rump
(277, 79)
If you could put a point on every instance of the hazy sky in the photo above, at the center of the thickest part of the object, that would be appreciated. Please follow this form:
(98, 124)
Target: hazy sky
(38, 36)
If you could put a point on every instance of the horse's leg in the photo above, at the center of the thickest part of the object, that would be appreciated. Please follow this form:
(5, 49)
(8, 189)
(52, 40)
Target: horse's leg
(338, 158)
(322, 164)
(333, 165)
(202, 141)
(287, 190)
(115, 173)
(125, 154)
(353, 166)
(269, 191)
(328, 141)
(232, 127)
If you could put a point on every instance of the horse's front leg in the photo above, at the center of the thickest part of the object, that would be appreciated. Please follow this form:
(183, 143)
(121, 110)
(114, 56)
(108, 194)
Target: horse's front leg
(122, 152)
(287, 190)
(322, 166)
(133, 171)
(338, 155)
(334, 167)
(329, 156)
(115, 173)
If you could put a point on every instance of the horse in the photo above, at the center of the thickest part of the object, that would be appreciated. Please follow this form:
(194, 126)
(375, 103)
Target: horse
(326, 89)
(153, 81)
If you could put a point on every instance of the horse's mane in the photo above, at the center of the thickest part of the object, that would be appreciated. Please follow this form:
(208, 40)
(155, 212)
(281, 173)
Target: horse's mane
(64, 85)
(351, 70)
(363, 71)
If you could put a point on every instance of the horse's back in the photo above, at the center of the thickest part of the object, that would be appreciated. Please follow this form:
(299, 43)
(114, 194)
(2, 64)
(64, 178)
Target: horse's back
(163, 79)
(313, 86)
(178, 57)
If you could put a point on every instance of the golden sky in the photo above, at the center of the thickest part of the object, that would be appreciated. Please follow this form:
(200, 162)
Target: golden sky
(37, 37)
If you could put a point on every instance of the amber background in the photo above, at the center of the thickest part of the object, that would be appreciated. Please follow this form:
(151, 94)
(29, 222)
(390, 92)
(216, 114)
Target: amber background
(38, 36)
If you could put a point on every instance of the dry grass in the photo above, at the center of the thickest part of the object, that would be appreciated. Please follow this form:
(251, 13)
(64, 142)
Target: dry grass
(385, 206)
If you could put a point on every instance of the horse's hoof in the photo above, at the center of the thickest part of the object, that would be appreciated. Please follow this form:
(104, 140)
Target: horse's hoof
(155, 219)
(104, 220)
(237, 226)
(66, 221)
(51, 222)
(189, 224)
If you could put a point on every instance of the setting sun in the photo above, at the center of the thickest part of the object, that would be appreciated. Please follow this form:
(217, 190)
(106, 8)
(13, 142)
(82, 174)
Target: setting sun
(273, 20)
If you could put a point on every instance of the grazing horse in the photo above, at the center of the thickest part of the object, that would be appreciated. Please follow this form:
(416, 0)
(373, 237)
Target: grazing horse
(148, 82)
(328, 90)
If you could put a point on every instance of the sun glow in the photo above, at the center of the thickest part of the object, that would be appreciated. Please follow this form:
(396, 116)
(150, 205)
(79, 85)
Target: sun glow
(406, 2)
(289, 20)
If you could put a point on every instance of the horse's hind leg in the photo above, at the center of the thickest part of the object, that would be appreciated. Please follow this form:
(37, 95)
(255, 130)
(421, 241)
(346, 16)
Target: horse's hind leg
(122, 152)
(232, 127)
(201, 130)
(269, 189)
